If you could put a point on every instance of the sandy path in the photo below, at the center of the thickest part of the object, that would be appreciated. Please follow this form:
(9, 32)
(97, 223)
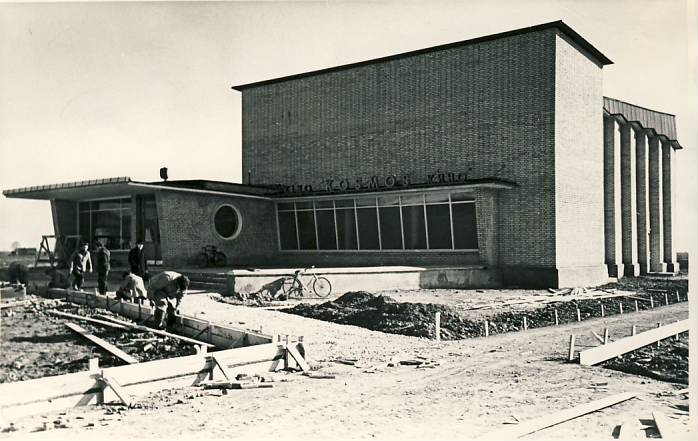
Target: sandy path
(479, 385)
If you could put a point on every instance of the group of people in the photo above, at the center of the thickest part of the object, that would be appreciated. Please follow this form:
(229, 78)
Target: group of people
(165, 289)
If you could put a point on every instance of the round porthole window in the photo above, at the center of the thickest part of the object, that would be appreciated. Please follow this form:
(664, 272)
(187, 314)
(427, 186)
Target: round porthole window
(227, 221)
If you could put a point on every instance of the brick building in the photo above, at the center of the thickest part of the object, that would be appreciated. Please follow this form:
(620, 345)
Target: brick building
(498, 153)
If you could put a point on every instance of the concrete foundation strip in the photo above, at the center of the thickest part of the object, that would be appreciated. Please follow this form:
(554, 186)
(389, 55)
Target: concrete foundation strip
(556, 418)
(602, 353)
(219, 336)
(102, 343)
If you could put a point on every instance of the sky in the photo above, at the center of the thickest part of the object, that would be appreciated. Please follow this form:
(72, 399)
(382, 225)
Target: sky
(121, 89)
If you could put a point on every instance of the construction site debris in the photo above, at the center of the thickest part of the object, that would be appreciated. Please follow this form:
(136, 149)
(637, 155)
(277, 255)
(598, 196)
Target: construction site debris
(385, 314)
(668, 362)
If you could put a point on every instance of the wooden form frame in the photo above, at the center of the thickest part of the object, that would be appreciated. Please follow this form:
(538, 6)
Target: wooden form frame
(53, 393)
(216, 335)
(605, 352)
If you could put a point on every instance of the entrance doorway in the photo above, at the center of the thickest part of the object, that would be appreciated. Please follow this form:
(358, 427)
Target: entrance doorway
(147, 226)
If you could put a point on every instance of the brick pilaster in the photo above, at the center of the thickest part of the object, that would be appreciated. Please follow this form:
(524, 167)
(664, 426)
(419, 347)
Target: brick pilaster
(655, 195)
(641, 186)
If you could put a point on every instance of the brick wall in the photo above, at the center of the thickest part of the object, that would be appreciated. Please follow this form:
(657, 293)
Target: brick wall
(486, 108)
(579, 159)
(186, 224)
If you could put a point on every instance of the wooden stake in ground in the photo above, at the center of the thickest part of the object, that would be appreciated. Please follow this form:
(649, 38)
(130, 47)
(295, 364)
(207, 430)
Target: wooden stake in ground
(678, 297)
(659, 342)
(102, 343)
(437, 326)
(605, 336)
(525, 324)
(557, 319)
(602, 310)
(633, 330)
(620, 307)
(651, 301)
(555, 418)
(571, 358)
(487, 328)
(666, 298)
(636, 307)
(579, 315)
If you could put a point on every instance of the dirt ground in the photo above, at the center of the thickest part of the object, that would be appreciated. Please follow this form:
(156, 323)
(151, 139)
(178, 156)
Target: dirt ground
(666, 362)
(35, 344)
(474, 386)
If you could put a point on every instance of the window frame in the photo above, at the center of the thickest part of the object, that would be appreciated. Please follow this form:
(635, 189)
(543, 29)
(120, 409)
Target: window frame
(238, 214)
(334, 198)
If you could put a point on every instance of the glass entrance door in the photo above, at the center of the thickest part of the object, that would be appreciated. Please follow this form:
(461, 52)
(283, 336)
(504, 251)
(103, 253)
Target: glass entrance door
(147, 226)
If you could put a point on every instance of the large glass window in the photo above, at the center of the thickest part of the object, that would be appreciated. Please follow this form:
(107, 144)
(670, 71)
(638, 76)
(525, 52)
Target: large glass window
(107, 221)
(415, 221)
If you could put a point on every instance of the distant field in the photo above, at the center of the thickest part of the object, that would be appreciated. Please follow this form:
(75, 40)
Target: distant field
(6, 259)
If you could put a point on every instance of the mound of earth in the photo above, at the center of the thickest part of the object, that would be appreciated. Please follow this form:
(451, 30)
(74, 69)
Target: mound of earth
(383, 313)
(667, 362)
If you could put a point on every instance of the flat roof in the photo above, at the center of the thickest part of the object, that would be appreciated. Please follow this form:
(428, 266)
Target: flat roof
(124, 185)
(559, 24)
(661, 123)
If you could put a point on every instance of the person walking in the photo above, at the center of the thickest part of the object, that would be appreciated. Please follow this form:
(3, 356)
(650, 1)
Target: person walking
(137, 262)
(132, 288)
(103, 260)
(165, 292)
(80, 262)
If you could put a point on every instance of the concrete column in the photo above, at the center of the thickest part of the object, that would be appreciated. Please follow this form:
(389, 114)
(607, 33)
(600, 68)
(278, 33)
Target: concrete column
(655, 195)
(612, 200)
(628, 202)
(671, 265)
(641, 186)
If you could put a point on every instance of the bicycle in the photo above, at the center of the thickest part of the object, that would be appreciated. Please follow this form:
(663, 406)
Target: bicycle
(295, 286)
(210, 256)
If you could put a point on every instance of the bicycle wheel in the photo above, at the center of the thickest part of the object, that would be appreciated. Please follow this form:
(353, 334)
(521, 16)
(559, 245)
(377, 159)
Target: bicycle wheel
(322, 287)
(202, 260)
(289, 285)
(219, 259)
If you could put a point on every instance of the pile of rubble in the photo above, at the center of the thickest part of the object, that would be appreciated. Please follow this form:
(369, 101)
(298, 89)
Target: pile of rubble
(666, 362)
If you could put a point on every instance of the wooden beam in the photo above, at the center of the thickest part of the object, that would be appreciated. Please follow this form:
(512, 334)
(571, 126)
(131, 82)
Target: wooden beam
(86, 319)
(557, 417)
(14, 304)
(600, 354)
(135, 327)
(102, 343)
(118, 390)
(293, 352)
(598, 337)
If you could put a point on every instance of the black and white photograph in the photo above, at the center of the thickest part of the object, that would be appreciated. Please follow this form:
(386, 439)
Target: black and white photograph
(348, 220)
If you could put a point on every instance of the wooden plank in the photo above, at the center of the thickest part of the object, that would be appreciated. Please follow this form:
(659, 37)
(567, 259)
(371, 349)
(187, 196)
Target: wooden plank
(31, 391)
(298, 357)
(598, 337)
(118, 389)
(557, 417)
(86, 319)
(605, 352)
(133, 326)
(667, 429)
(102, 343)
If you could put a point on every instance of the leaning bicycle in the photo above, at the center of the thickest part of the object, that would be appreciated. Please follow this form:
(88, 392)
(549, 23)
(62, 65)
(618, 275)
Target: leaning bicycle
(306, 282)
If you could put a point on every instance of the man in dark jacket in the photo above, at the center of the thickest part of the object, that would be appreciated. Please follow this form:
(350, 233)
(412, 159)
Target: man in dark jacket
(103, 265)
(137, 262)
